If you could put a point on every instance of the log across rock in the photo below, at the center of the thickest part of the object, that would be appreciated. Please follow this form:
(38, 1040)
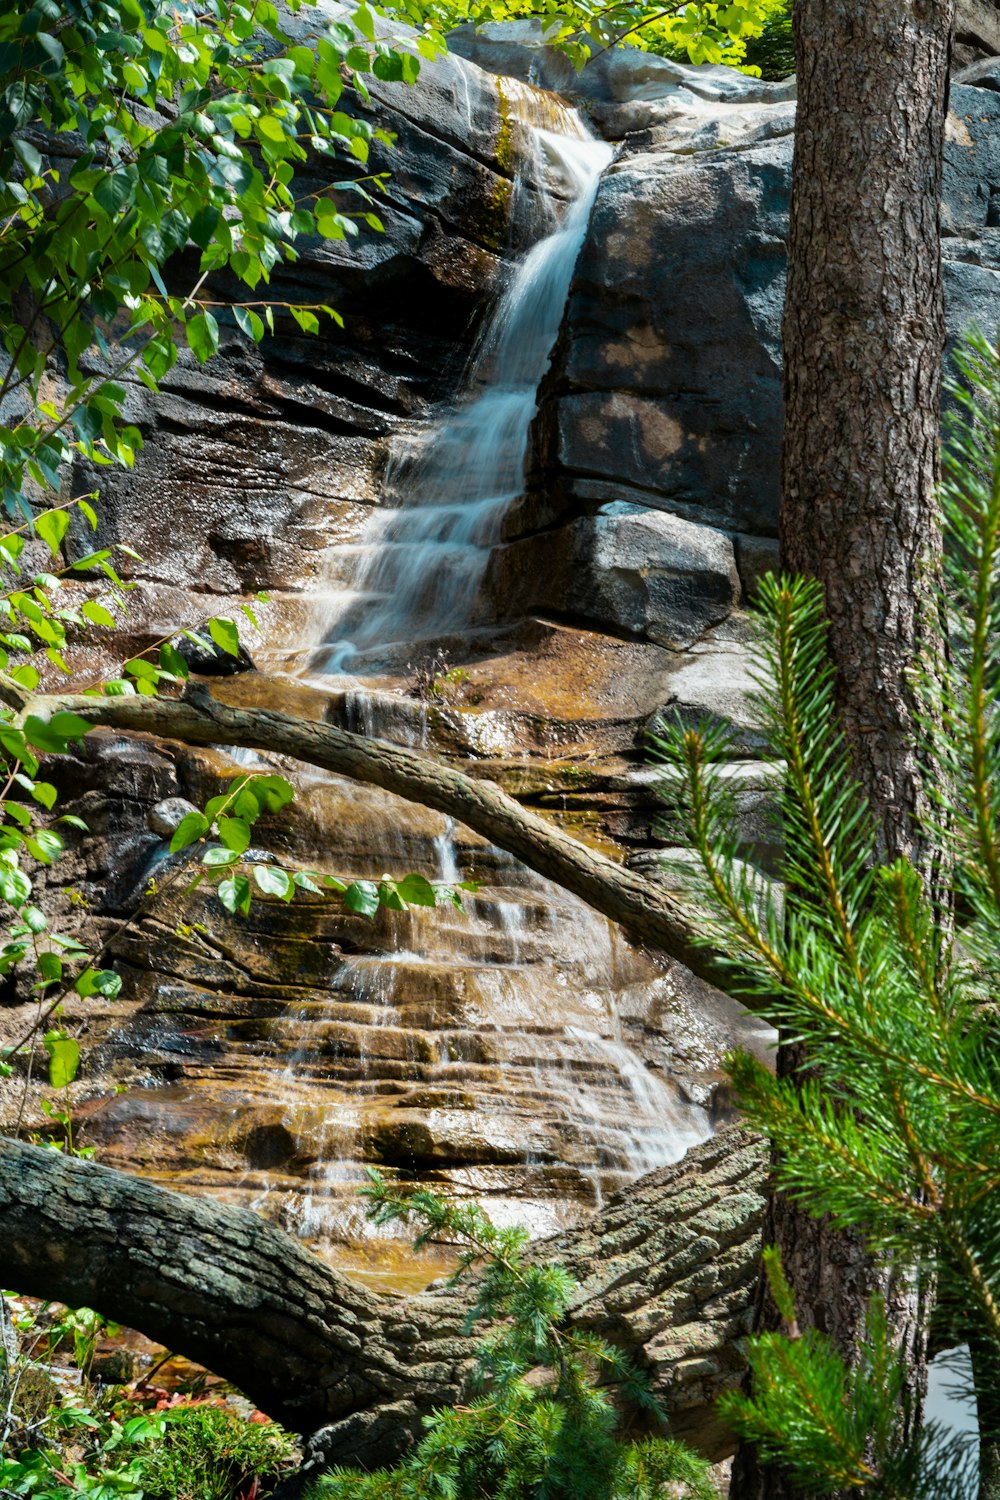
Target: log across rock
(666, 1270)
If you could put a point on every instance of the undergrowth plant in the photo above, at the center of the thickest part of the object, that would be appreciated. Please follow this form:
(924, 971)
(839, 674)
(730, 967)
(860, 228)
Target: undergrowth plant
(543, 1424)
(894, 1130)
(61, 1440)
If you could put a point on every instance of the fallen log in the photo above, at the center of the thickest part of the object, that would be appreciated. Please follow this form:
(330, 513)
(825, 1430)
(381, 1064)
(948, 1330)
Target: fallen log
(666, 1270)
(645, 908)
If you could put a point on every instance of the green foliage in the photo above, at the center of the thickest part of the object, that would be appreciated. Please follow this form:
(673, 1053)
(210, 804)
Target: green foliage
(837, 1427)
(700, 31)
(209, 1453)
(184, 126)
(772, 53)
(895, 1129)
(97, 1443)
(191, 1453)
(544, 1424)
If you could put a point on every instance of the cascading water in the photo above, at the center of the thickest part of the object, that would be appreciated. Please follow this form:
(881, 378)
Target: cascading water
(416, 574)
(491, 1049)
(520, 1051)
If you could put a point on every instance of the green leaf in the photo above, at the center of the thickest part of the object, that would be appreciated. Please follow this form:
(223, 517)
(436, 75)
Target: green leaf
(41, 734)
(362, 897)
(173, 662)
(27, 676)
(45, 793)
(225, 635)
(389, 897)
(307, 321)
(50, 967)
(31, 159)
(193, 826)
(13, 741)
(52, 526)
(98, 982)
(216, 856)
(70, 726)
(249, 322)
(15, 887)
(273, 792)
(416, 890)
(236, 894)
(274, 882)
(246, 804)
(114, 190)
(64, 1058)
(46, 845)
(97, 614)
(18, 812)
(203, 336)
(234, 833)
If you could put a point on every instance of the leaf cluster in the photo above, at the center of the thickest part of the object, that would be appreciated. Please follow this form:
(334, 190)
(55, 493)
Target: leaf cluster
(133, 130)
(696, 31)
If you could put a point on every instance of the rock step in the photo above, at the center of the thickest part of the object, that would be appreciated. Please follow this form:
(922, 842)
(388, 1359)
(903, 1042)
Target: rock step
(327, 1102)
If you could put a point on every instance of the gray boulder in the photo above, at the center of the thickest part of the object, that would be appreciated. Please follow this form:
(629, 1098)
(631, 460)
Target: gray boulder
(650, 575)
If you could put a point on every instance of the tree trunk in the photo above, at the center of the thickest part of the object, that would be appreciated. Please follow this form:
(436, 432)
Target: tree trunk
(864, 337)
(666, 1270)
(646, 908)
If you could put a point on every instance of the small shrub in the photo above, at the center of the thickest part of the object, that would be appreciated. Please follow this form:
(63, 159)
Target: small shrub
(209, 1453)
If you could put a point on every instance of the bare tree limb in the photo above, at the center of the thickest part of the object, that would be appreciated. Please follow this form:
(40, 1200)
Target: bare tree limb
(666, 1271)
(645, 908)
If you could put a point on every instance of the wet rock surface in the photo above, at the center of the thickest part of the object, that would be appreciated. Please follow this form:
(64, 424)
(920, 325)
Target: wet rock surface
(521, 1052)
(666, 385)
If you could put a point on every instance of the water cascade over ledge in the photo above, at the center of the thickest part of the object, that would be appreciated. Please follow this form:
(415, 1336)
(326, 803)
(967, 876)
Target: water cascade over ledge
(415, 575)
(531, 1008)
(521, 1051)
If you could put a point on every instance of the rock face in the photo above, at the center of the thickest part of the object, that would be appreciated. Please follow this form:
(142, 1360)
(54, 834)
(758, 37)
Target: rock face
(520, 1052)
(255, 463)
(666, 386)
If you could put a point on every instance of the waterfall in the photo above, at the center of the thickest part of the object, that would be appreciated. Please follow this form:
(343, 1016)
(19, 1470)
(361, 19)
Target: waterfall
(416, 573)
(504, 1049)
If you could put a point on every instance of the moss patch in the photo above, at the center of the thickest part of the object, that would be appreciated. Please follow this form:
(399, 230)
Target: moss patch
(497, 215)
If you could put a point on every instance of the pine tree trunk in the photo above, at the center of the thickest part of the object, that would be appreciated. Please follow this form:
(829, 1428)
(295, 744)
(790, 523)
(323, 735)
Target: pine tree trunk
(864, 337)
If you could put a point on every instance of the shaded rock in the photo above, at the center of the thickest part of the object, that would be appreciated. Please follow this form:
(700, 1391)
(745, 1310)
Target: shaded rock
(167, 816)
(209, 660)
(756, 556)
(984, 74)
(115, 1367)
(665, 388)
(977, 30)
(713, 684)
(650, 575)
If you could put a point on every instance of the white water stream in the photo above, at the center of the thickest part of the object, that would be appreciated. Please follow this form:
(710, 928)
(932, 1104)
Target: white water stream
(519, 1008)
(416, 573)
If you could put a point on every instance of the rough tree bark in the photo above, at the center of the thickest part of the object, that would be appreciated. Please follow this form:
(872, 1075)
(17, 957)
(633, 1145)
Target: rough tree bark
(864, 336)
(643, 907)
(666, 1270)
